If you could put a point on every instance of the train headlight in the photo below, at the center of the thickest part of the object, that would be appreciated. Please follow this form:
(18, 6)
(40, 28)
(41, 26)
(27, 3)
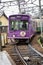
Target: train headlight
(13, 35)
(22, 33)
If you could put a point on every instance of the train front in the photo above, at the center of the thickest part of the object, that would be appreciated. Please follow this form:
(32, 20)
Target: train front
(19, 27)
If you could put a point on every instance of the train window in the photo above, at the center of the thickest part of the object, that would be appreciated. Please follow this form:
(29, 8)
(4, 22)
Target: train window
(12, 25)
(19, 25)
(23, 25)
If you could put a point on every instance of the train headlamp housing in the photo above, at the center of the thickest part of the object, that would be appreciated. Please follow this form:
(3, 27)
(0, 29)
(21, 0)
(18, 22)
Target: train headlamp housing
(13, 35)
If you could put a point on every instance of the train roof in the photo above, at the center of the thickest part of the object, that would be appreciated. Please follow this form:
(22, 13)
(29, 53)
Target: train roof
(20, 15)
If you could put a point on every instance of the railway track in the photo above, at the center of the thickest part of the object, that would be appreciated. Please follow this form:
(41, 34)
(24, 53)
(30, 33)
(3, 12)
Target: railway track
(28, 55)
(25, 55)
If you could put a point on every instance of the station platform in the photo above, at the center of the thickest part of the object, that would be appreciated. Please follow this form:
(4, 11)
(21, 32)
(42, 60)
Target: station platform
(5, 59)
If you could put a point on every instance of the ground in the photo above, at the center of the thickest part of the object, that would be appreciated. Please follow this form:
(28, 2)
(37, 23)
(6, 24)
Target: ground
(36, 45)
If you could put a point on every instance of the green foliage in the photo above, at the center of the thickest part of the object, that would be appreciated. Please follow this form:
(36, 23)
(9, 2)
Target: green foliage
(40, 41)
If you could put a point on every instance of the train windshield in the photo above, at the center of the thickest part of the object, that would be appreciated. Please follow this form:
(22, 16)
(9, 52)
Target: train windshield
(19, 25)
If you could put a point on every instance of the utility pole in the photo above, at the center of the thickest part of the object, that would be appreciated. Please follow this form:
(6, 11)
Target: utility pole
(19, 5)
(40, 15)
(18, 1)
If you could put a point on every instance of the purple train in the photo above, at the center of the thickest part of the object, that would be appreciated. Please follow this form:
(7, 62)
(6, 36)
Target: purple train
(20, 27)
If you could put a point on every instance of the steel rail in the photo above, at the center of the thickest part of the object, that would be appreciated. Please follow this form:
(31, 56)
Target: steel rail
(22, 60)
(35, 50)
